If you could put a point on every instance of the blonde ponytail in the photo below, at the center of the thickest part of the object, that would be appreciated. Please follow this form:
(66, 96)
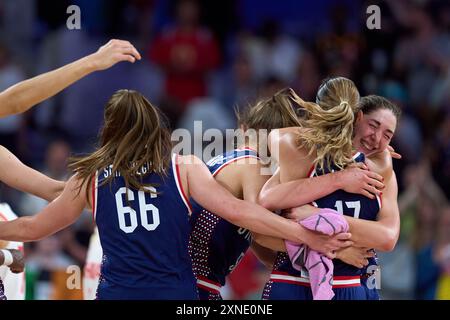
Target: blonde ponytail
(328, 126)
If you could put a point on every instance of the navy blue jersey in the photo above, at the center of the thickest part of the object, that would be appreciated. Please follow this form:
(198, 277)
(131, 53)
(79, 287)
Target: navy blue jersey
(350, 204)
(144, 238)
(216, 246)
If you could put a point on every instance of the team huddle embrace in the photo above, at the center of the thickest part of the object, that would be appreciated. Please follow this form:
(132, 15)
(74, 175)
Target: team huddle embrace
(170, 226)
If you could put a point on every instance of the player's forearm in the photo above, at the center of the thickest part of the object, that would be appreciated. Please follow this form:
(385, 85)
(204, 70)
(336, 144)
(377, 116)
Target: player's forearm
(381, 235)
(259, 220)
(21, 230)
(298, 192)
(42, 186)
(36, 184)
(28, 93)
(13, 171)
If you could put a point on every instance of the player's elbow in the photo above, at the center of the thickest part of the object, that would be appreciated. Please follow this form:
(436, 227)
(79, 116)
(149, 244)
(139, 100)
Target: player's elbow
(390, 240)
(265, 201)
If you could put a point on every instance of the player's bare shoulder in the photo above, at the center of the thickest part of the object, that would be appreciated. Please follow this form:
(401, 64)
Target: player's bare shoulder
(288, 140)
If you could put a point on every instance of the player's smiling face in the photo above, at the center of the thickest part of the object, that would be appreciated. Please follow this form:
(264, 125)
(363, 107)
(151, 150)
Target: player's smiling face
(374, 131)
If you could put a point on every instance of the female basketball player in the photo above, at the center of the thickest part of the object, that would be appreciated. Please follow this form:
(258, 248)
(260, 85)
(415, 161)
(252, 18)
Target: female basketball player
(139, 193)
(22, 96)
(301, 149)
(216, 246)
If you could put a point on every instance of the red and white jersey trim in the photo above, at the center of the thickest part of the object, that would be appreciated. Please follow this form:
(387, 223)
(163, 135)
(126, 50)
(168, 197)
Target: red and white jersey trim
(94, 195)
(176, 175)
(208, 285)
(312, 171)
(338, 281)
(233, 160)
(379, 199)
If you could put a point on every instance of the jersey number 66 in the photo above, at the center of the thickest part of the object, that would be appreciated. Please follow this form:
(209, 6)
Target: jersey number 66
(144, 209)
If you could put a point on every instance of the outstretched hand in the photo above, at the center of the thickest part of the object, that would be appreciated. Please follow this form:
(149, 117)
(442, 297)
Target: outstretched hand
(113, 52)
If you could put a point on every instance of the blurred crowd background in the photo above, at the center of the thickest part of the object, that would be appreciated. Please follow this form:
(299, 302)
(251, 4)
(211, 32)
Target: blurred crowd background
(200, 60)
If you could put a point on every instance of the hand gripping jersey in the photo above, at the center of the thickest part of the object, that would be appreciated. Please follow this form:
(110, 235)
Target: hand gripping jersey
(144, 238)
(350, 204)
(215, 245)
(14, 283)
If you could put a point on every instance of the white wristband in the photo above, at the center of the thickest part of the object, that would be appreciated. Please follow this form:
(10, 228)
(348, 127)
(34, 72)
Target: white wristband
(8, 258)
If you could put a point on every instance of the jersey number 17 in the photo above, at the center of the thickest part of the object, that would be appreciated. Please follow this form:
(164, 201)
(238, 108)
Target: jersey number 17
(355, 205)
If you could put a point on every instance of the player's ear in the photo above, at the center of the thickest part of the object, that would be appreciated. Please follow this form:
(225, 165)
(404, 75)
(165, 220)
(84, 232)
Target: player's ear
(359, 116)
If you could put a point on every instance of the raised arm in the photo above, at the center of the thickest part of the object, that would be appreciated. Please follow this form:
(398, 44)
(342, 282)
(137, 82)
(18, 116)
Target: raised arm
(24, 95)
(60, 213)
(275, 195)
(200, 184)
(21, 177)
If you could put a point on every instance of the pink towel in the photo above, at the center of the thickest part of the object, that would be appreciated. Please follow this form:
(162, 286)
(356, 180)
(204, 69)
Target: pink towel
(320, 268)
